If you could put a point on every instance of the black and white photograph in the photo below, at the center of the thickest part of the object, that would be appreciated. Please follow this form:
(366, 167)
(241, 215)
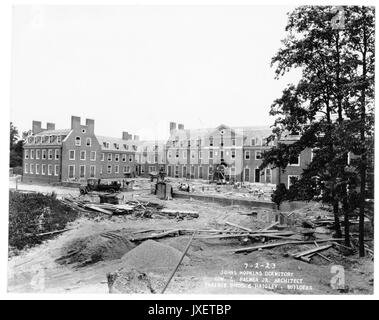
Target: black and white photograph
(191, 150)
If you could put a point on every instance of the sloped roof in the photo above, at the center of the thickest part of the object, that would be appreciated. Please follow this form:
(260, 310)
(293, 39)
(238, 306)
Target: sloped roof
(112, 141)
(253, 131)
(53, 132)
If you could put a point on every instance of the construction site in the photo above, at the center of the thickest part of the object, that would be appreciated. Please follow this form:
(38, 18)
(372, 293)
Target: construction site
(164, 235)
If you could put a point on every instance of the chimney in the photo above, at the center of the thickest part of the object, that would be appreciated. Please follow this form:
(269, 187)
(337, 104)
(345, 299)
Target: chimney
(126, 136)
(50, 126)
(36, 127)
(75, 122)
(180, 126)
(90, 125)
(136, 138)
(172, 126)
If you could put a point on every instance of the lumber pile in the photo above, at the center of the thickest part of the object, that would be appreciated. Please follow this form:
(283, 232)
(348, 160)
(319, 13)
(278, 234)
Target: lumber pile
(139, 209)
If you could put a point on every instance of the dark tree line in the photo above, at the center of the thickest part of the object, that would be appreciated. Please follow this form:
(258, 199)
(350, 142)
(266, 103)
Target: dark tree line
(15, 148)
(332, 106)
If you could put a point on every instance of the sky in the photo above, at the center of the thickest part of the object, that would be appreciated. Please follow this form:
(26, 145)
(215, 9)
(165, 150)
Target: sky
(136, 68)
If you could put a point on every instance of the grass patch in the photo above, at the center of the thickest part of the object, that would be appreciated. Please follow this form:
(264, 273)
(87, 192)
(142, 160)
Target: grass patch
(33, 213)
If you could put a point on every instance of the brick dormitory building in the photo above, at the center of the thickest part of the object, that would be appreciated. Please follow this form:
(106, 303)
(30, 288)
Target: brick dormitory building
(77, 154)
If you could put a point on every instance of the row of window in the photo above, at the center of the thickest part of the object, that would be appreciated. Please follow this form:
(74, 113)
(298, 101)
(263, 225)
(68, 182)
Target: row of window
(82, 155)
(82, 171)
(125, 146)
(124, 157)
(45, 139)
(212, 153)
(115, 169)
(253, 142)
(78, 141)
(49, 154)
(175, 169)
(35, 169)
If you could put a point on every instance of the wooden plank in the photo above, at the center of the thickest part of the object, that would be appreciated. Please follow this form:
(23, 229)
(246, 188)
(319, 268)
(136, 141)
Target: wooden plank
(157, 236)
(270, 226)
(276, 244)
(96, 208)
(249, 235)
(52, 232)
(238, 226)
(311, 251)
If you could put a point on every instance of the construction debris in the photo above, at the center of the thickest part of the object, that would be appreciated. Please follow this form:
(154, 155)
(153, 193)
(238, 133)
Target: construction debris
(135, 207)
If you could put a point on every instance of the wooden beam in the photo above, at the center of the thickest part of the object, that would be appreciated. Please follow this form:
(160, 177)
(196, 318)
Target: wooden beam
(276, 244)
(311, 251)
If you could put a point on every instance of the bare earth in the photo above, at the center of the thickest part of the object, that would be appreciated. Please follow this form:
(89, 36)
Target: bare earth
(212, 267)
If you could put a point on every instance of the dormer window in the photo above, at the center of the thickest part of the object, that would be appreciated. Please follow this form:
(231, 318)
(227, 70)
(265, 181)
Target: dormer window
(31, 139)
(116, 145)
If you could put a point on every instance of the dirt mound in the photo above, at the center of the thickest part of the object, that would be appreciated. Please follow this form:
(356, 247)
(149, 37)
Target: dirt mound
(153, 256)
(99, 247)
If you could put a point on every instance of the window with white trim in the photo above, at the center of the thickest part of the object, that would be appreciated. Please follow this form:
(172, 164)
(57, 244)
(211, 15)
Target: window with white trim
(109, 169)
(31, 168)
(31, 154)
(88, 142)
(38, 154)
(57, 154)
(71, 171)
(44, 154)
(43, 169)
(37, 168)
(71, 155)
(56, 170)
(82, 171)
(50, 153)
(117, 157)
(295, 161)
(292, 179)
(26, 154)
(116, 169)
(102, 157)
(78, 141)
(109, 156)
(26, 168)
(123, 157)
(247, 155)
(82, 155)
(92, 171)
(258, 155)
(50, 169)
(93, 155)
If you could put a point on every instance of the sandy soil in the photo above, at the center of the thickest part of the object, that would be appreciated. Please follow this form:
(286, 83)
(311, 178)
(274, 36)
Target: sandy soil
(212, 269)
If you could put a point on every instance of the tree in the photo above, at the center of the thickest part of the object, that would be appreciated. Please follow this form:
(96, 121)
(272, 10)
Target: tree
(321, 106)
(15, 152)
(279, 195)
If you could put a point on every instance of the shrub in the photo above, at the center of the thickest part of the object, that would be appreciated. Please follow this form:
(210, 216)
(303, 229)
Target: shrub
(34, 213)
